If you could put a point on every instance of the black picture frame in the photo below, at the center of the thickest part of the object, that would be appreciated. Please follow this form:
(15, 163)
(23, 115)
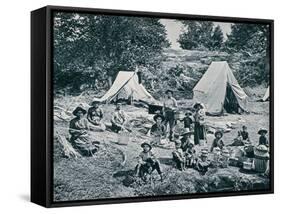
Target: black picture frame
(42, 103)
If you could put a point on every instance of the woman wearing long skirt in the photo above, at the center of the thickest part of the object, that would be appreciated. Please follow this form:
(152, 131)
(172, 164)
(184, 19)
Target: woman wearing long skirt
(199, 124)
(78, 129)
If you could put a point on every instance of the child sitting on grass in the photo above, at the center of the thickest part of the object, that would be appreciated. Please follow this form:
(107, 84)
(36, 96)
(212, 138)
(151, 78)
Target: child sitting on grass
(147, 162)
(203, 162)
(190, 155)
(218, 142)
(178, 156)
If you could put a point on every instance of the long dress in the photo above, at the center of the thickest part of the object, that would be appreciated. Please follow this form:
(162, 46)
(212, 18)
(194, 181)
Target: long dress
(80, 139)
(199, 128)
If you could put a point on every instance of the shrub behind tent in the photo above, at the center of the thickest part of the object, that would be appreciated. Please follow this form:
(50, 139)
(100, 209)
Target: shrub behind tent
(219, 90)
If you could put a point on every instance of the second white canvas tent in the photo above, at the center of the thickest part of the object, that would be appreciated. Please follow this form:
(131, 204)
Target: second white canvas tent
(266, 95)
(125, 86)
(218, 90)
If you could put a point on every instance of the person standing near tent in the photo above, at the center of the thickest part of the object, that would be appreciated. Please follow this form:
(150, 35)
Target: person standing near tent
(199, 124)
(118, 119)
(95, 116)
(78, 129)
(169, 109)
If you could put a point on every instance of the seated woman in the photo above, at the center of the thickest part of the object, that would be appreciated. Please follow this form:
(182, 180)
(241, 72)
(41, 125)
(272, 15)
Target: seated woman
(118, 119)
(263, 139)
(147, 162)
(95, 116)
(78, 129)
(158, 130)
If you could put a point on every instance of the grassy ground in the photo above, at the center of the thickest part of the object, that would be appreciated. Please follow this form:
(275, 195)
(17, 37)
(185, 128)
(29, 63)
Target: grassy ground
(104, 176)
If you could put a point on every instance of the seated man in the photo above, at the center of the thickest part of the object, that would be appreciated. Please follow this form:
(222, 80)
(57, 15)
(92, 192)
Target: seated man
(178, 156)
(95, 116)
(147, 162)
(158, 130)
(118, 119)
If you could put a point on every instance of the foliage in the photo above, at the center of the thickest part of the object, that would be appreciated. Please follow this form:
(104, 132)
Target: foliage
(251, 42)
(92, 48)
(201, 35)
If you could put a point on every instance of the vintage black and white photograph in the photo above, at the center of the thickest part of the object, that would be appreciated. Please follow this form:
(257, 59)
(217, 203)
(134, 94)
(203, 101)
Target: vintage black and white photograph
(149, 106)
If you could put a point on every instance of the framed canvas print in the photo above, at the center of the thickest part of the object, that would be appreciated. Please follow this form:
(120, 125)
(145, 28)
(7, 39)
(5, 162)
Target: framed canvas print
(142, 106)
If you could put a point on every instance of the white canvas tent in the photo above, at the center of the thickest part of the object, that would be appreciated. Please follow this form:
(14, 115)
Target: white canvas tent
(125, 86)
(266, 95)
(219, 90)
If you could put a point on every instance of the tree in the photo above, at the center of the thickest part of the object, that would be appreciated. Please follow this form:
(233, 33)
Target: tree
(200, 35)
(217, 38)
(251, 41)
(95, 47)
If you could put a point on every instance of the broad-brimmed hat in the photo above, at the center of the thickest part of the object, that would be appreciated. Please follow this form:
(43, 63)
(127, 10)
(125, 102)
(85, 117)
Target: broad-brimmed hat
(261, 151)
(219, 132)
(79, 108)
(204, 152)
(95, 101)
(158, 116)
(244, 126)
(262, 148)
(186, 131)
(196, 105)
(169, 90)
(146, 144)
(262, 130)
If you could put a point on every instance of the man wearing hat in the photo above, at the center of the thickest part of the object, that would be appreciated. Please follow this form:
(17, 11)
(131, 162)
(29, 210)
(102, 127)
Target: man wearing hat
(78, 129)
(158, 130)
(218, 142)
(186, 139)
(169, 108)
(95, 116)
(263, 139)
(147, 162)
(178, 156)
(118, 119)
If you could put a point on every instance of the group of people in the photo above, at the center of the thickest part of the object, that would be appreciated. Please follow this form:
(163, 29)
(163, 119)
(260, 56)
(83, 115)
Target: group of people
(184, 154)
